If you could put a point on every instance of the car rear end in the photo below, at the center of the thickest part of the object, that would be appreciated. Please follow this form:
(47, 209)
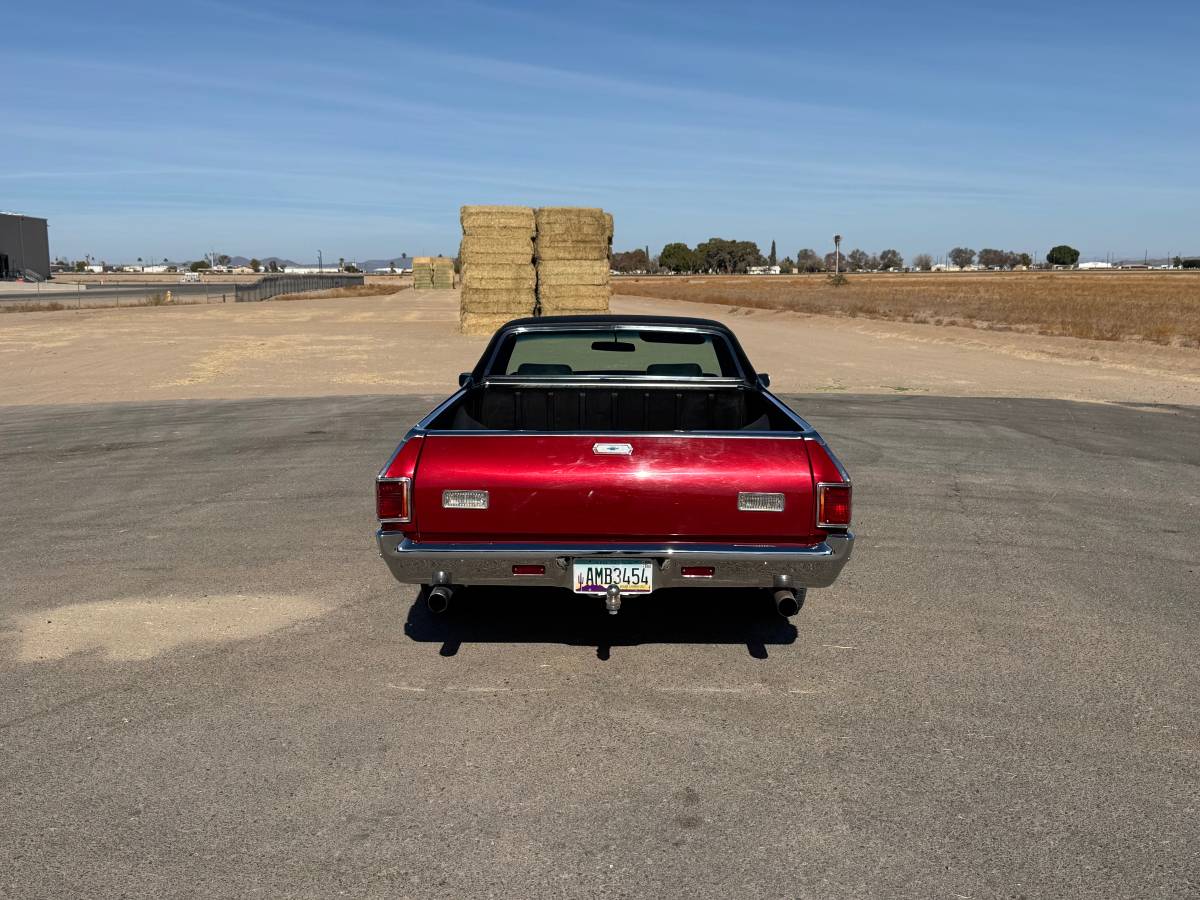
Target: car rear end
(614, 458)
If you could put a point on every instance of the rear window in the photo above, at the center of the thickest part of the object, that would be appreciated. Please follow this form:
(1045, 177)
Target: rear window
(672, 354)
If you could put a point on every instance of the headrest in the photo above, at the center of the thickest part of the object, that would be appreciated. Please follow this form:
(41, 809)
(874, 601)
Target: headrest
(683, 369)
(544, 369)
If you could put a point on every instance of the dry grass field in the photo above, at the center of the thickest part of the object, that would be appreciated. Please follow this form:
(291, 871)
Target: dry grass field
(1160, 307)
(358, 290)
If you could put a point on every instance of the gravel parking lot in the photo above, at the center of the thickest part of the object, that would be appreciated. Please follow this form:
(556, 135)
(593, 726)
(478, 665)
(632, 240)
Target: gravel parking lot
(209, 685)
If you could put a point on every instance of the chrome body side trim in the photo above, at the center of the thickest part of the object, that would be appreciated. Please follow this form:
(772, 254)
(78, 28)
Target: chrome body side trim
(735, 565)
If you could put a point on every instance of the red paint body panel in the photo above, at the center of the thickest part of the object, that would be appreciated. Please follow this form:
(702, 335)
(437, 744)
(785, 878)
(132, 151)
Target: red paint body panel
(551, 488)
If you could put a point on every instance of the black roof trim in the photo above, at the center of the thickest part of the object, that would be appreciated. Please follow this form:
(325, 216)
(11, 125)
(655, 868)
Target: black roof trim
(608, 319)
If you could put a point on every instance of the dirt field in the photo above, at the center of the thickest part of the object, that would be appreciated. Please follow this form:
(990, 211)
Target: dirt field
(1159, 307)
(408, 343)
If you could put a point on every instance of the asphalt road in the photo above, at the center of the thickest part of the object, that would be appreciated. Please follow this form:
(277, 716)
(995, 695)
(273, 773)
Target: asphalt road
(210, 687)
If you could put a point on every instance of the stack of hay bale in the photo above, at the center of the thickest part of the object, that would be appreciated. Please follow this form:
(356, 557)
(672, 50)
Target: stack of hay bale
(423, 272)
(498, 277)
(431, 272)
(443, 273)
(574, 248)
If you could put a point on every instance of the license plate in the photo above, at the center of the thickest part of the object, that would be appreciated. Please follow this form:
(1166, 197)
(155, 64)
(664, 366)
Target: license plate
(632, 576)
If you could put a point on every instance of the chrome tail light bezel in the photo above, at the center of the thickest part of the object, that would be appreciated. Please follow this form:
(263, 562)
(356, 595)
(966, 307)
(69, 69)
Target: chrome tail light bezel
(822, 488)
(406, 505)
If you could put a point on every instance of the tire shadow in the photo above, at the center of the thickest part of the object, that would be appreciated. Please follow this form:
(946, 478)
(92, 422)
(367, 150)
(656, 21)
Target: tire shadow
(557, 616)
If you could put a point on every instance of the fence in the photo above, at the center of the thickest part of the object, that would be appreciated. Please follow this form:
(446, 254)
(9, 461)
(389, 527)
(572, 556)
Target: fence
(274, 285)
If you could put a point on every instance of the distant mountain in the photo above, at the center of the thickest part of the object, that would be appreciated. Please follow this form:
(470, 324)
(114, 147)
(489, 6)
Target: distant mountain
(245, 261)
(402, 262)
(370, 265)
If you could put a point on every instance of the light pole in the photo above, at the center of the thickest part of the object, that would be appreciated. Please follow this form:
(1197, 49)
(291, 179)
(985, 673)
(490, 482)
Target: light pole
(837, 254)
(320, 263)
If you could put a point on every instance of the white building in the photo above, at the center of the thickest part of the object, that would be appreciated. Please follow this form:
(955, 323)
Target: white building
(1095, 265)
(763, 270)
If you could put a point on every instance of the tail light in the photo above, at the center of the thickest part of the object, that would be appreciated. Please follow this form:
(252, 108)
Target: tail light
(393, 499)
(833, 505)
(394, 488)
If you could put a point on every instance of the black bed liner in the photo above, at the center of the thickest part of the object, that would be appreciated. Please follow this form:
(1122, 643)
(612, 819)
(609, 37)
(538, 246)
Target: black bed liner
(652, 408)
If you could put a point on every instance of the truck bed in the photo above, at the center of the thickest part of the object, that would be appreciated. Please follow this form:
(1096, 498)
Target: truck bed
(555, 408)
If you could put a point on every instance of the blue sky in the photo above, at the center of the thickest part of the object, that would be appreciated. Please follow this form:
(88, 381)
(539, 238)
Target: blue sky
(272, 128)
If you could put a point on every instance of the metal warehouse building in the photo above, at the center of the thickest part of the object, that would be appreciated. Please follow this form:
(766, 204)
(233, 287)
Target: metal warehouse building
(24, 246)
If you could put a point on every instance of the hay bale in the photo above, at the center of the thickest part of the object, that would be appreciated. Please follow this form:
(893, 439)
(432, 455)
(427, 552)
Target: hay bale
(511, 308)
(501, 233)
(574, 267)
(514, 218)
(567, 232)
(565, 250)
(574, 311)
(503, 241)
(482, 323)
(497, 298)
(566, 294)
(501, 276)
(557, 281)
(570, 215)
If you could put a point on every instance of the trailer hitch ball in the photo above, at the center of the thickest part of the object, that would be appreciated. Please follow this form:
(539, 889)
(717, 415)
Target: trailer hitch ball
(612, 600)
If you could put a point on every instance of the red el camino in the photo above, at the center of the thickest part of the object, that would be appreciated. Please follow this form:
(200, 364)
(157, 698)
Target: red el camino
(614, 456)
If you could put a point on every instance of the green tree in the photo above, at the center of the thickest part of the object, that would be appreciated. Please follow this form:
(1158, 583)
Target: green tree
(809, 261)
(923, 261)
(1177, 262)
(786, 266)
(857, 259)
(256, 265)
(223, 259)
(891, 259)
(832, 263)
(678, 257)
(200, 265)
(631, 261)
(728, 257)
(962, 256)
(991, 258)
(1024, 259)
(772, 260)
(273, 266)
(1062, 255)
(80, 265)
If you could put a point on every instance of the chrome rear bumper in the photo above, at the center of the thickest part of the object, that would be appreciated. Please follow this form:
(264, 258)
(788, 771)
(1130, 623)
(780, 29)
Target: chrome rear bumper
(737, 565)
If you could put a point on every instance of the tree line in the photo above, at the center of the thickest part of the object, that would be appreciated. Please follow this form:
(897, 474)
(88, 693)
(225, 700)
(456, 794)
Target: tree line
(721, 256)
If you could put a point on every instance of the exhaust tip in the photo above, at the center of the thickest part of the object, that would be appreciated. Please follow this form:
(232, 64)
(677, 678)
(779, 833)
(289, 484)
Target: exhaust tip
(438, 599)
(787, 602)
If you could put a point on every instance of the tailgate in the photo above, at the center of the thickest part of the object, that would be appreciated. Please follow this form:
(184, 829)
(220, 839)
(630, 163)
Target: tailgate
(559, 488)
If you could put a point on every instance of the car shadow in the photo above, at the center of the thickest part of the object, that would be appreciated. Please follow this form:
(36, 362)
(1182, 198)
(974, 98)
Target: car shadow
(558, 616)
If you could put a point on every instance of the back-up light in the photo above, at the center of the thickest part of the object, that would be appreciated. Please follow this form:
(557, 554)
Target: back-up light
(464, 499)
(755, 502)
(833, 505)
(393, 499)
